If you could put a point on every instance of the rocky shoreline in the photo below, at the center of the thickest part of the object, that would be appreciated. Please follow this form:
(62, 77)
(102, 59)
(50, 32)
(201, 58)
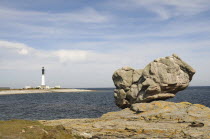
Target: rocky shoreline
(158, 119)
(30, 91)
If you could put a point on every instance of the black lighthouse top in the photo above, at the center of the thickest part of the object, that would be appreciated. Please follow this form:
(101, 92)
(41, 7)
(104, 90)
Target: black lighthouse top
(43, 70)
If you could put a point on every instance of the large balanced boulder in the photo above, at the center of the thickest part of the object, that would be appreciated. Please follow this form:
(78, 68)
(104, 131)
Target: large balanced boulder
(159, 80)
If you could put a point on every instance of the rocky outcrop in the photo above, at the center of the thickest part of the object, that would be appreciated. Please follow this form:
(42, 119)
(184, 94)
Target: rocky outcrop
(159, 80)
(158, 119)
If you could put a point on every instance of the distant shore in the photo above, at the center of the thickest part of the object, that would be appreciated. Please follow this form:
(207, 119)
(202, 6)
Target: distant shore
(32, 91)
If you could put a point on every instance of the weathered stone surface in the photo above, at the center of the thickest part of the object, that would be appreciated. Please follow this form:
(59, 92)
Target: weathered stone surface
(159, 80)
(123, 78)
(136, 75)
(158, 119)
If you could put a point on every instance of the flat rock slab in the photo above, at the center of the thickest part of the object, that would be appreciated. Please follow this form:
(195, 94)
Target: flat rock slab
(158, 119)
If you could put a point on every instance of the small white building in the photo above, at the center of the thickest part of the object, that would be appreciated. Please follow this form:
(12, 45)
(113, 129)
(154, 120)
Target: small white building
(57, 87)
(27, 87)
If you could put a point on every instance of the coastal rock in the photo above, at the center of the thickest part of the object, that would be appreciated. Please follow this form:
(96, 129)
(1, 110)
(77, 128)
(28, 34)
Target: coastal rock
(123, 78)
(158, 119)
(159, 80)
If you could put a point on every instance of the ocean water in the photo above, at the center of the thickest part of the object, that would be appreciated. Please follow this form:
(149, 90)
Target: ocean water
(50, 106)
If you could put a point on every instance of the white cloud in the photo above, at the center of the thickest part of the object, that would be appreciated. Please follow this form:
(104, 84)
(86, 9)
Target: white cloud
(166, 9)
(80, 68)
(64, 56)
(71, 55)
(35, 24)
(23, 52)
(20, 48)
(85, 15)
(82, 48)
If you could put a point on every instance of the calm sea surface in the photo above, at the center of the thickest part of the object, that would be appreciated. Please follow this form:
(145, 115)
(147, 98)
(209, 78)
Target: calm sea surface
(49, 106)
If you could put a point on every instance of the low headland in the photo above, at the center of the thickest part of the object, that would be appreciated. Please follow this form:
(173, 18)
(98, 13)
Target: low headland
(30, 91)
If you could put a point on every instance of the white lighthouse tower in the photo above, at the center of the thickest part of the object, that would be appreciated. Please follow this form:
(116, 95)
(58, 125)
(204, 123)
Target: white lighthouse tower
(43, 86)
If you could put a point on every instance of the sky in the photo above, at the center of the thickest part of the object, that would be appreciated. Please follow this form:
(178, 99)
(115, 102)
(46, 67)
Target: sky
(82, 42)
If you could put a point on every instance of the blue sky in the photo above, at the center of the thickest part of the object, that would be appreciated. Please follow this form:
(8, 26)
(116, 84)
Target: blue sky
(82, 42)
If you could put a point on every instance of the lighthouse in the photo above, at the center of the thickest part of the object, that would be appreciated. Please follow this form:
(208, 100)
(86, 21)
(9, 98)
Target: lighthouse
(43, 86)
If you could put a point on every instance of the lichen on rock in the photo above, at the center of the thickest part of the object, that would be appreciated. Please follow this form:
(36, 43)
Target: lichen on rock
(158, 119)
(159, 80)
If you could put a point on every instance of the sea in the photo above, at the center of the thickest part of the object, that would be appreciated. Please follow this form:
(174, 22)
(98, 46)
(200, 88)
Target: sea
(50, 106)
